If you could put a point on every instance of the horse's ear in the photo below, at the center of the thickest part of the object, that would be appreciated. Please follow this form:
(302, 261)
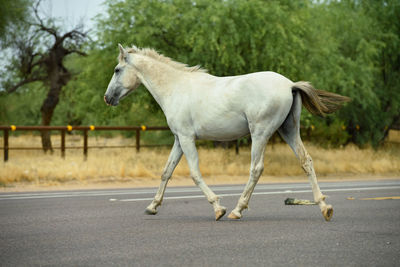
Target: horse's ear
(134, 48)
(121, 49)
(122, 53)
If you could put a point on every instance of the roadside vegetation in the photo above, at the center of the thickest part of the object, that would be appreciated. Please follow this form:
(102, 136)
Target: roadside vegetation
(350, 47)
(218, 165)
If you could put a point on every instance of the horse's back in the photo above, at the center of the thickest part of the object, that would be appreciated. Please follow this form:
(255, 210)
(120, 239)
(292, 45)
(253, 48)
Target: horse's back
(266, 95)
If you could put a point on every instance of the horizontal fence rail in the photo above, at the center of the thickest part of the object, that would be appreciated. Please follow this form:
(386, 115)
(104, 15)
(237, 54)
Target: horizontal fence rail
(64, 129)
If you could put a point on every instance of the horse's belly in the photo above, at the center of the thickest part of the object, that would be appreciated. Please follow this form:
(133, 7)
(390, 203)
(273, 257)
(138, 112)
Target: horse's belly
(222, 130)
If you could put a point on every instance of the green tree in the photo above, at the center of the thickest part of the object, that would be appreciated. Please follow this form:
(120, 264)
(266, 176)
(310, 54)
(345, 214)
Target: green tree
(38, 56)
(361, 40)
(12, 13)
(350, 47)
(225, 37)
(386, 15)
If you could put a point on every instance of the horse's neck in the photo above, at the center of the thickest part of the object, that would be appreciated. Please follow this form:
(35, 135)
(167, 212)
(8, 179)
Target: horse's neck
(159, 78)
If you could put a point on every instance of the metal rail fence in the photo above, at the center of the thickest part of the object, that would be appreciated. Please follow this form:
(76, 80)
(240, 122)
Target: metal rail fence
(69, 128)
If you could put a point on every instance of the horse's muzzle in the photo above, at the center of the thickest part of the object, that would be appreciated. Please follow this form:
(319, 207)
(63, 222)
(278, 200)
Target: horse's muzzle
(110, 101)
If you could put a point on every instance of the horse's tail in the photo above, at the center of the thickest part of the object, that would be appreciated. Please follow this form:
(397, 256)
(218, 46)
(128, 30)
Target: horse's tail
(319, 102)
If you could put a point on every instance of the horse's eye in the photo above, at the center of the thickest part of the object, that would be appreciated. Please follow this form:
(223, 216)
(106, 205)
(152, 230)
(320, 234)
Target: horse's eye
(116, 70)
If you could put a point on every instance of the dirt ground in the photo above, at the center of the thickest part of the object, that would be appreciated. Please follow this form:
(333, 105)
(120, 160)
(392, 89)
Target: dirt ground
(29, 170)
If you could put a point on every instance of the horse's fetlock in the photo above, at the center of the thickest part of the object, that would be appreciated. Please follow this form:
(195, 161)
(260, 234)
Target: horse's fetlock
(243, 204)
(157, 202)
(320, 199)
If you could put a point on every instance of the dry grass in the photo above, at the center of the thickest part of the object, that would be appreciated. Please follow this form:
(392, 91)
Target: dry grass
(394, 136)
(125, 165)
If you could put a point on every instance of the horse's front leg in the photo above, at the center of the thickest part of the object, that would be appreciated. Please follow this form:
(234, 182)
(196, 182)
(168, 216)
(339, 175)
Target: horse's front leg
(189, 149)
(173, 160)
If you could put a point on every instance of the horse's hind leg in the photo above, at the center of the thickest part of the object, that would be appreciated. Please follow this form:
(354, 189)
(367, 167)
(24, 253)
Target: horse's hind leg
(307, 165)
(173, 160)
(189, 149)
(290, 132)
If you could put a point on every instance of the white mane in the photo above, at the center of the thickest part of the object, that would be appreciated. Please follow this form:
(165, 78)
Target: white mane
(149, 52)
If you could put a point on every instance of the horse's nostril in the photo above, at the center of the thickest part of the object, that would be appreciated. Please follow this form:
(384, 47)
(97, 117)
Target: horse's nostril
(108, 101)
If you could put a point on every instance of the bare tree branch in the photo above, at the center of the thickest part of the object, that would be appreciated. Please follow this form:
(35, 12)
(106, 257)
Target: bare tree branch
(41, 23)
(23, 82)
(74, 35)
(71, 51)
(39, 57)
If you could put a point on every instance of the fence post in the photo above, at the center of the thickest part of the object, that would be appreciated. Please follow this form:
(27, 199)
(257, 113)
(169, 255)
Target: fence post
(5, 145)
(137, 140)
(63, 144)
(85, 143)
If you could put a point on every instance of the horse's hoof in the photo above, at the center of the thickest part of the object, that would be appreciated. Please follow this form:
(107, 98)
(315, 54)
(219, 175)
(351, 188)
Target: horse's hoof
(234, 216)
(328, 213)
(220, 213)
(149, 211)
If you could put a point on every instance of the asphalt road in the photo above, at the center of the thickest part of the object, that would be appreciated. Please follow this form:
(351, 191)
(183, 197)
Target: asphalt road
(109, 227)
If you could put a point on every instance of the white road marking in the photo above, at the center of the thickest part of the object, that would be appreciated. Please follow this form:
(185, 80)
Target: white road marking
(145, 191)
(268, 193)
(261, 189)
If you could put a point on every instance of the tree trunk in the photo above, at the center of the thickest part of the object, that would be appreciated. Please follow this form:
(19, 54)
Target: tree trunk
(47, 111)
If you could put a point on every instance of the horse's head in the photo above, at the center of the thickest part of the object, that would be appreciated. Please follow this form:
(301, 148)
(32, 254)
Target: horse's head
(124, 80)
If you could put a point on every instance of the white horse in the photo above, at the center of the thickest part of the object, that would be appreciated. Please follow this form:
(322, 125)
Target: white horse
(198, 105)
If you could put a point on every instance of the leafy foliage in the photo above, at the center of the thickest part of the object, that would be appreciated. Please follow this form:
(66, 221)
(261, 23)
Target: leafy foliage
(348, 47)
(12, 12)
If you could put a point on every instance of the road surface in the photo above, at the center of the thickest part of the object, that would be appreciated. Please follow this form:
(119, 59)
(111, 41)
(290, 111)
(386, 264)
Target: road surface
(109, 227)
